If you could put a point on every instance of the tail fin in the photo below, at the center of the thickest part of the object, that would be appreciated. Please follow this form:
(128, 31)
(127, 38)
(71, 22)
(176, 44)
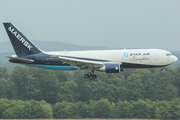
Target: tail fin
(21, 44)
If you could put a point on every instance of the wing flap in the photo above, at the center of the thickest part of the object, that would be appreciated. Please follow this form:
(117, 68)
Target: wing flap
(80, 62)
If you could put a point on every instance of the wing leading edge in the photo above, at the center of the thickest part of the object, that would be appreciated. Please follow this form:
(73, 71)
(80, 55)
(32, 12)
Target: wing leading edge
(82, 62)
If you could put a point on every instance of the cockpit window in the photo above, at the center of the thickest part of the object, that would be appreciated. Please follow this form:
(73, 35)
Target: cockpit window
(168, 54)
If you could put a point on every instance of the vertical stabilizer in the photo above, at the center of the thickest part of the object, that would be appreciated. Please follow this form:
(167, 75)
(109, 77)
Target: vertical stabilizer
(21, 44)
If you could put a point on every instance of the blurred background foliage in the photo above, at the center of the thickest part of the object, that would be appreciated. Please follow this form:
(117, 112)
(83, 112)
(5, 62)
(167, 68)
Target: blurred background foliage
(29, 92)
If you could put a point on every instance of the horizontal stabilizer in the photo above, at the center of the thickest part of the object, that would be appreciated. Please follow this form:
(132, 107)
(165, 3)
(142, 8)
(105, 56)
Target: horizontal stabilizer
(21, 59)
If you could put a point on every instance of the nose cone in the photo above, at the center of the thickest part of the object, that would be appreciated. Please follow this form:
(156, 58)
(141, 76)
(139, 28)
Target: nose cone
(175, 59)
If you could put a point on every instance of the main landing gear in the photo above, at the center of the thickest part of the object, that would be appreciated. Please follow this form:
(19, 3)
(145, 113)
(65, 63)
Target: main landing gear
(90, 75)
(162, 69)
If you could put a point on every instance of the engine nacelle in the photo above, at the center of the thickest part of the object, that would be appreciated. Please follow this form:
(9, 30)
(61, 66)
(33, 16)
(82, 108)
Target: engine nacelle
(110, 68)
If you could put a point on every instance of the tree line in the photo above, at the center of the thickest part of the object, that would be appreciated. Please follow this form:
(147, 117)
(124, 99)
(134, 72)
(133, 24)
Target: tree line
(58, 89)
(164, 110)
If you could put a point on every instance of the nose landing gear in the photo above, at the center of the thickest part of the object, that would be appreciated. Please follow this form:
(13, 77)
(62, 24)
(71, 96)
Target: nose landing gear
(162, 69)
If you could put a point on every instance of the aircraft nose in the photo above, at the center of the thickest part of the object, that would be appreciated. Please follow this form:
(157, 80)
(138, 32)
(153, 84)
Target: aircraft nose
(175, 59)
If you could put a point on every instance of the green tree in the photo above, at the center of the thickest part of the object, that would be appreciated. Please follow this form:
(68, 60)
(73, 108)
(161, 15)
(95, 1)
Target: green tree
(67, 91)
(64, 110)
(142, 109)
(88, 109)
(102, 76)
(79, 109)
(175, 108)
(177, 80)
(46, 85)
(28, 109)
(127, 73)
(134, 88)
(3, 73)
(12, 91)
(22, 78)
(59, 110)
(102, 109)
(163, 110)
(35, 83)
(62, 76)
(117, 89)
(168, 110)
(4, 104)
(3, 88)
(144, 73)
(94, 90)
(161, 87)
(124, 109)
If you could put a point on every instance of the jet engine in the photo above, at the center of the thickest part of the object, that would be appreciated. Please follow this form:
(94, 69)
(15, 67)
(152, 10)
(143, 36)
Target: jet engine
(110, 68)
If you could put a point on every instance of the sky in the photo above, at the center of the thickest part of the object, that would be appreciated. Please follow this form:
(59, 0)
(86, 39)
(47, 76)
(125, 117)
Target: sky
(111, 23)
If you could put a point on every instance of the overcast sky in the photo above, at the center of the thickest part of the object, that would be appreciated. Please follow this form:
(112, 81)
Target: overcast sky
(111, 23)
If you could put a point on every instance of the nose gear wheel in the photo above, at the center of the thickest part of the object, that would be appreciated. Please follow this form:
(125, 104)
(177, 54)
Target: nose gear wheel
(162, 69)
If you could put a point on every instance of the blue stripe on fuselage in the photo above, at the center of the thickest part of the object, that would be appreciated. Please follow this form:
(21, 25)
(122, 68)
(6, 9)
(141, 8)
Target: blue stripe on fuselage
(54, 67)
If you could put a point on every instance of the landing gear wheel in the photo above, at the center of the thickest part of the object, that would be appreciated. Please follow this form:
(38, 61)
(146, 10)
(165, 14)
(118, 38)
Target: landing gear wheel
(86, 76)
(162, 69)
(161, 74)
(94, 76)
(91, 77)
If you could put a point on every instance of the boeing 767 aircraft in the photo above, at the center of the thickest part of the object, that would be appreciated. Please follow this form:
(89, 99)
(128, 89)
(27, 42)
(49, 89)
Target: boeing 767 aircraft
(109, 61)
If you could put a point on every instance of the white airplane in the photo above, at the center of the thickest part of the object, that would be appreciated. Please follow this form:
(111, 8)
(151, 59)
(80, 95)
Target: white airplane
(109, 61)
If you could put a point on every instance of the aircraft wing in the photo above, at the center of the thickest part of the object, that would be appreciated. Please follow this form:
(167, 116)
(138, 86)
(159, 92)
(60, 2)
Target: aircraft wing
(81, 63)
